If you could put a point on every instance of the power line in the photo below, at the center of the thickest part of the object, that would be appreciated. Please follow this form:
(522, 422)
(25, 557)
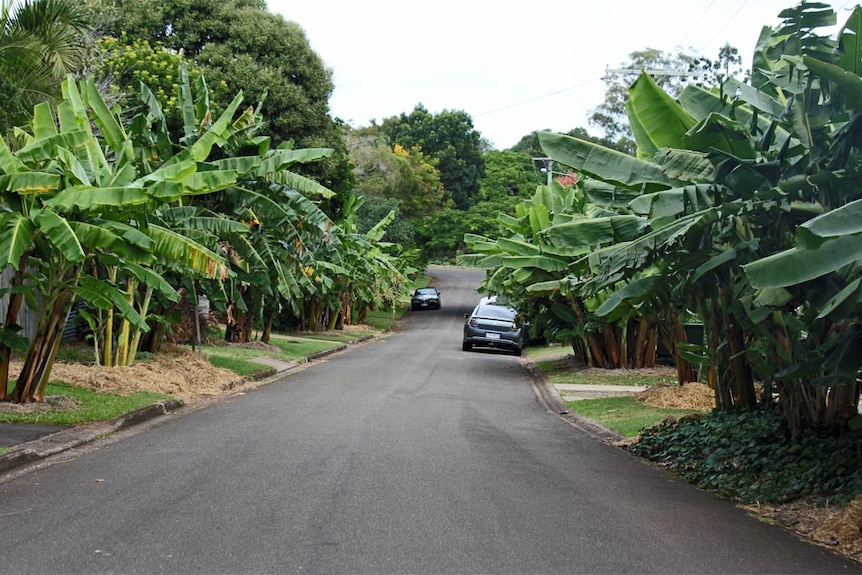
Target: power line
(720, 30)
(537, 98)
(697, 23)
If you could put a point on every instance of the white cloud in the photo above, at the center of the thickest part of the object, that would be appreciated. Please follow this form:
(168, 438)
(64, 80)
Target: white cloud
(514, 67)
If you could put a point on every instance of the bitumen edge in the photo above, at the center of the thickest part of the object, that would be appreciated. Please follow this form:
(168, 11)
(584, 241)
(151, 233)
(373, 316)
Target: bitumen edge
(44, 447)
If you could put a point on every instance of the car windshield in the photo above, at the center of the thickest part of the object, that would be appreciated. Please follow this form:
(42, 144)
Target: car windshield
(426, 291)
(496, 312)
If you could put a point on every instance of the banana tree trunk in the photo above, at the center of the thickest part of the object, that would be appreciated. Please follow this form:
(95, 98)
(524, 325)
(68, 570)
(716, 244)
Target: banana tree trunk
(596, 356)
(40, 358)
(16, 299)
(684, 369)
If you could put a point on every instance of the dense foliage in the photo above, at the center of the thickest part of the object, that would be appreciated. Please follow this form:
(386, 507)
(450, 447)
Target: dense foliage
(748, 454)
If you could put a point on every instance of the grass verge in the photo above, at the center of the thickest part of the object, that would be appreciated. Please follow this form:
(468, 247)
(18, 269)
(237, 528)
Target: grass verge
(73, 405)
(624, 415)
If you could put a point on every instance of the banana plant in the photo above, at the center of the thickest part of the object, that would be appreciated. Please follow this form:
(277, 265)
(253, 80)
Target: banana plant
(91, 212)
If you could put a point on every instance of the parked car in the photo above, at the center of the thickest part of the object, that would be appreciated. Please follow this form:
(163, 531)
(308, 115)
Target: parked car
(495, 326)
(425, 298)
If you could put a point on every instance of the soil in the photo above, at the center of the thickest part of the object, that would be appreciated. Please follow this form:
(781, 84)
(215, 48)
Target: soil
(180, 372)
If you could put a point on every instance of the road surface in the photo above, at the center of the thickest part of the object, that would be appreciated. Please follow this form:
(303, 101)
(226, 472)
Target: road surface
(404, 455)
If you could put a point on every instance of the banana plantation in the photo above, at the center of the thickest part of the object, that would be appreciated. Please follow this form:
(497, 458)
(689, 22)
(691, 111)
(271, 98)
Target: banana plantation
(111, 212)
(741, 213)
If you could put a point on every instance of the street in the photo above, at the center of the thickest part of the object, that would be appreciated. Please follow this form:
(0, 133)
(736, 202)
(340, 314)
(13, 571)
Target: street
(403, 455)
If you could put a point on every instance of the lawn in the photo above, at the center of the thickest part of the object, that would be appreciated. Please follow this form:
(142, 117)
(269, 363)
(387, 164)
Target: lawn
(624, 415)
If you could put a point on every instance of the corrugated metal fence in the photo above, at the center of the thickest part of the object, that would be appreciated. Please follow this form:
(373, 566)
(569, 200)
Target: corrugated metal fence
(27, 318)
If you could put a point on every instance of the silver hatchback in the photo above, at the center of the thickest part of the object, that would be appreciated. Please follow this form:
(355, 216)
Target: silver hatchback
(494, 326)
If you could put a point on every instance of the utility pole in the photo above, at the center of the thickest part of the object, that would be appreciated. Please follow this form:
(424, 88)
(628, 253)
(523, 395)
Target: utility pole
(651, 72)
(547, 166)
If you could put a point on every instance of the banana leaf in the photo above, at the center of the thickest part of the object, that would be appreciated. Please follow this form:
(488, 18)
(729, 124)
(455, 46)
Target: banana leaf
(657, 120)
(30, 182)
(59, 232)
(635, 290)
(796, 266)
(595, 231)
(842, 221)
(16, 235)
(85, 198)
(104, 295)
(604, 163)
(850, 43)
(545, 263)
(847, 80)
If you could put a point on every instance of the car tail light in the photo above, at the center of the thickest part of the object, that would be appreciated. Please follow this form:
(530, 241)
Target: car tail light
(474, 322)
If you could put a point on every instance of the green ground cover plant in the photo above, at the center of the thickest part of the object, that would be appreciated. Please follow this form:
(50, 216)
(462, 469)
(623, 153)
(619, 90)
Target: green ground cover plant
(747, 454)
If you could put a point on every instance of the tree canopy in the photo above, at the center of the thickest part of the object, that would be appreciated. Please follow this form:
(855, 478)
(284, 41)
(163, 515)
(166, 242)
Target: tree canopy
(450, 138)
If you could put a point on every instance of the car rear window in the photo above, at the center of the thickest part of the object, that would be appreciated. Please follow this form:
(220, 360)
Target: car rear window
(496, 312)
(426, 291)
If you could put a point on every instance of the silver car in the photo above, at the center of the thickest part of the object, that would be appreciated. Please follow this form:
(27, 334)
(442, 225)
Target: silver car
(494, 326)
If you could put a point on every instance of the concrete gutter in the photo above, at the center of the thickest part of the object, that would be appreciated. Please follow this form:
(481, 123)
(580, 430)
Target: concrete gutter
(550, 398)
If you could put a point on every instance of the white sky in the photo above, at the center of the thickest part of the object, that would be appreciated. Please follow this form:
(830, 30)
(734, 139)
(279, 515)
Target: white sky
(513, 67)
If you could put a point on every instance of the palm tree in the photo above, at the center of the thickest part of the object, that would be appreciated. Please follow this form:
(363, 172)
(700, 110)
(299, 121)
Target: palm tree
(40, 42)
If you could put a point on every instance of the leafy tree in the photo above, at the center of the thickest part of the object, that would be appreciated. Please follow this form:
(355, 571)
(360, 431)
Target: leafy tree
(714, 73)
(509, 175)
(450, 139)
(125, 66)
(406, 175)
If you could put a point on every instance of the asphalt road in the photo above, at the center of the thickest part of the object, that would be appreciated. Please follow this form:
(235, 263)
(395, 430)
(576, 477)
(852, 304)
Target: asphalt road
(404, 455)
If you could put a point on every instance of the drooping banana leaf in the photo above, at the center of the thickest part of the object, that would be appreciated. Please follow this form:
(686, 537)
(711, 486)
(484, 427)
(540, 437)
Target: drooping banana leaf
(103, 295)
(16, 234)
(59, 232)
(604, 163)
(851, 82)
(796, 266)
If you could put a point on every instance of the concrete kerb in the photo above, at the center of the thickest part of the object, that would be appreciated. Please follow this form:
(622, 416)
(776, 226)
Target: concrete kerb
(551, 400)
(75, 436)
(66, 439)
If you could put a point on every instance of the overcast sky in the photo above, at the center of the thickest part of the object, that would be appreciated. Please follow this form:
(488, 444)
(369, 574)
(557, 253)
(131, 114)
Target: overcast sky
(514, 67)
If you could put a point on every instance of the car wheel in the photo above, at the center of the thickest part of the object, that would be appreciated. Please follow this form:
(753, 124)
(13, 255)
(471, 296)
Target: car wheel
(466, 346)
(518, 351)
